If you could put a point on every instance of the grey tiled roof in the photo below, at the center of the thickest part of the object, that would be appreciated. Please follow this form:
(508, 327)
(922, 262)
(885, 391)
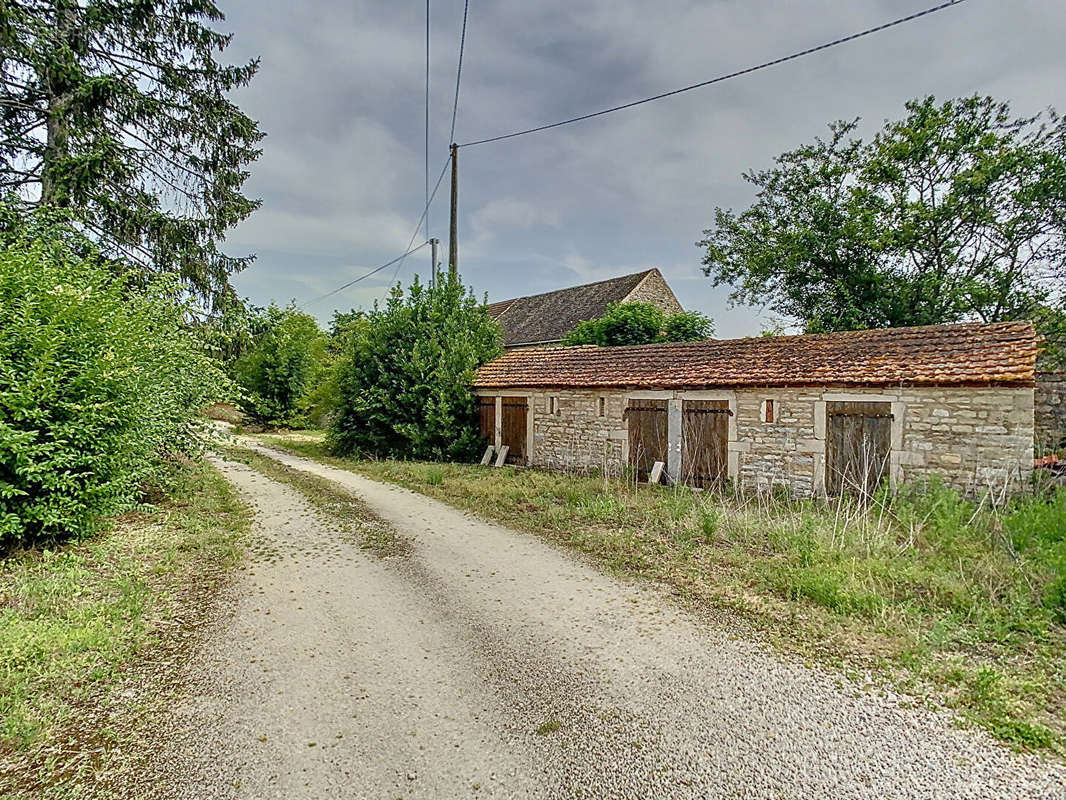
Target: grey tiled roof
(550, 316)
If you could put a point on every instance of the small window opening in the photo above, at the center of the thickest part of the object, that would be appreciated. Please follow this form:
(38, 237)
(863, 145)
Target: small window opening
(768, 411)
(603, 406)
(553, 405)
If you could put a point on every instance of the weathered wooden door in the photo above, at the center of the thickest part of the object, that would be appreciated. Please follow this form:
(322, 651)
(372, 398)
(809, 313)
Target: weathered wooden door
(704, 441)
(858, 441)
(486, 411)
(513, 419)
(648, 434)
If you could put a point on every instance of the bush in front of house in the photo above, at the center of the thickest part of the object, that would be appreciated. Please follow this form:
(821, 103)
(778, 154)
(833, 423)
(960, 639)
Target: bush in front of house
(640, 323)
(99, 383)
(281, 369)
(405, 383)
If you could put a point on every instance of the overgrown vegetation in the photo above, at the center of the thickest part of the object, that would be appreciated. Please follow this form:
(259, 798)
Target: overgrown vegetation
(640, 323)
(76, 621)
(405, 382)
(959, 604)
(100, 383)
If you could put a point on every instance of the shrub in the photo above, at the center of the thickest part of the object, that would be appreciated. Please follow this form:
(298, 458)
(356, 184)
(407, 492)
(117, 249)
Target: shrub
(405, 387)
(99, 380)
(279, 372)
(640, 323)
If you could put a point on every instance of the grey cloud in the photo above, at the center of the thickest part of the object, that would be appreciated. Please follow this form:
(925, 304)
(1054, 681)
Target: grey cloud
(340, 95)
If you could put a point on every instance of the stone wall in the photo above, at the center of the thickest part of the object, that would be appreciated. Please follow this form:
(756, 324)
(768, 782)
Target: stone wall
(576, 436)
(655, 290)
(782, 453)
(1050, 411)
(972, 438)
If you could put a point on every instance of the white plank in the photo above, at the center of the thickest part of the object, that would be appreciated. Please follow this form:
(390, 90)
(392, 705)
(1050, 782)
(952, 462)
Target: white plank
(502, 457)
(656, 472)
(485, 459)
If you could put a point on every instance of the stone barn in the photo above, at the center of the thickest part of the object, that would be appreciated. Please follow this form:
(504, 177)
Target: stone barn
(544, 319)
(817, 414)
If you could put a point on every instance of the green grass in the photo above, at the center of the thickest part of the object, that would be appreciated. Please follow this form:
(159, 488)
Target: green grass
(372, 533)
(548, 726)
(76, 620)
(962, 607)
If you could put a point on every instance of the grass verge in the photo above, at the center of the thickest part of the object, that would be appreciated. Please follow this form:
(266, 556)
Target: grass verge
(371, 532)
(78, 624)
(959, 606)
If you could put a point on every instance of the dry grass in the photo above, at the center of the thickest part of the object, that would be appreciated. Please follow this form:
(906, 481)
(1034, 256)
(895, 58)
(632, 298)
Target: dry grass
(960, 605)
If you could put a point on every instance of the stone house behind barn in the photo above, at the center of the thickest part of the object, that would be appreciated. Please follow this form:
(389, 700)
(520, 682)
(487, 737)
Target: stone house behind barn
(815, 413)
(544, 319)
(1050, 411)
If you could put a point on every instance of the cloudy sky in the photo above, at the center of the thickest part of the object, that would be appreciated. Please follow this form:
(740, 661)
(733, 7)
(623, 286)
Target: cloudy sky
(340, 96)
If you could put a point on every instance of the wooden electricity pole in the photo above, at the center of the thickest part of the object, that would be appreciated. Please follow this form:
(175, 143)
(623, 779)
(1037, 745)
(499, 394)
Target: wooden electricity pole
(453, 237)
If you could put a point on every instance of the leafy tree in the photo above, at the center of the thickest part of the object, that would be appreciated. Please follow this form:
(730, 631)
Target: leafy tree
(118, 111)
(282, 368)
(640, 323)
(405, 390)
(956, 212)
(687, 326)
(100, 383)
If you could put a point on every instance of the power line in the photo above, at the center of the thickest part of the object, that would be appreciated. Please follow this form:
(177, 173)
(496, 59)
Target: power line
(459, 69)
(719, 79)
(368, 274)
(425, 216)
(400, 258)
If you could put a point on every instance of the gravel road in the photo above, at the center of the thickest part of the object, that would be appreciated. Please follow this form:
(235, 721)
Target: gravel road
(487, 663)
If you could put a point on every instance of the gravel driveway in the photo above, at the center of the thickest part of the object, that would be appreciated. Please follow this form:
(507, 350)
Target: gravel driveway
(489, 664)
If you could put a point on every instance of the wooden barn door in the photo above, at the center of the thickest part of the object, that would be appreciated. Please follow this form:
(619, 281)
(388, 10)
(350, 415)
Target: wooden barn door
(648, 434)
(486, 412)
(858, 441)
(704, 441)
(513, 429)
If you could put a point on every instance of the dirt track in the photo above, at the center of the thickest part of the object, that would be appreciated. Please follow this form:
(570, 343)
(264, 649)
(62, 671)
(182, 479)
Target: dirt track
(487, 663)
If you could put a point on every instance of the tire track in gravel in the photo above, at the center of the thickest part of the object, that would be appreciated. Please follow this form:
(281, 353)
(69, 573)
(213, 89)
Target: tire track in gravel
(428, 677)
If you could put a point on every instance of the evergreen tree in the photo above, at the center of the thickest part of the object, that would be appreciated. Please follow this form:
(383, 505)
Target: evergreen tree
(117, 111)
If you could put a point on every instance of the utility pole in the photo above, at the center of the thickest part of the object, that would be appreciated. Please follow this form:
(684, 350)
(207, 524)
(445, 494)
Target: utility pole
(453, 240)
(433, 244)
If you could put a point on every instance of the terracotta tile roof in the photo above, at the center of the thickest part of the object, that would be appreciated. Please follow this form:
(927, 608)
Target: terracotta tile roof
(961, 354)
(550, 316)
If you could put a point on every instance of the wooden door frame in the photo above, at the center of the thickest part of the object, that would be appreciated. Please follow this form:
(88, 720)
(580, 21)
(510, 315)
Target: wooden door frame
(721, 407)
(896, 456)
(674, 400)
(499, 394)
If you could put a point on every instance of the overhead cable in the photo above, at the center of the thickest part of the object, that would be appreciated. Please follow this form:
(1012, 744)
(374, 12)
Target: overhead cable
(719, 79)
(459, 70)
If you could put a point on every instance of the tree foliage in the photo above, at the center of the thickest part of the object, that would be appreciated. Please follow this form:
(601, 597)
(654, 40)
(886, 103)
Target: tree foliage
(282, 368)
(640, 323)
(955, 212)
(117, 110)
(405, 386)
(99, 383)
